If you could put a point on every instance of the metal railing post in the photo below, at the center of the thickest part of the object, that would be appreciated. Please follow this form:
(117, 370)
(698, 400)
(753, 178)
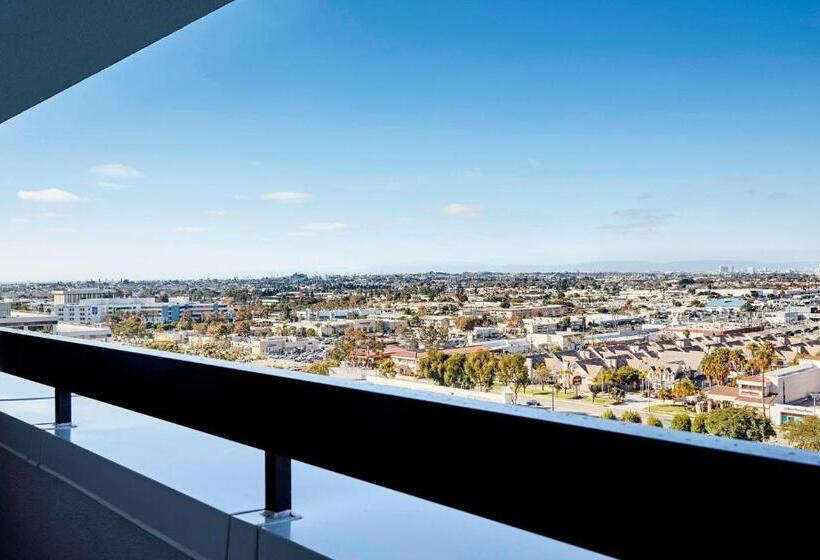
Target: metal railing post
(277, 484)
(62, 406)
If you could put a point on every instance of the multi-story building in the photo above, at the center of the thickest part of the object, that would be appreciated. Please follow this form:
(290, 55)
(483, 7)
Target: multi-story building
(92, 311)
(76, 295)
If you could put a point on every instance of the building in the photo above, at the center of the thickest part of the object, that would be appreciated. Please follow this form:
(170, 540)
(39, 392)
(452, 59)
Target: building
(729, 306)
(95, 311)
(5, 309)
(76, 295)
(29, 321)
(784, 395)
(83, 332)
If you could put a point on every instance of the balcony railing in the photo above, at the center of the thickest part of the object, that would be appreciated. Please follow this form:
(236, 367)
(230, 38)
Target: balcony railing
(573, 478)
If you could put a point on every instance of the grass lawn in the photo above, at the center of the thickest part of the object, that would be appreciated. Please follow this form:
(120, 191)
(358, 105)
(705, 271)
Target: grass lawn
(669, 409)
(546, 395)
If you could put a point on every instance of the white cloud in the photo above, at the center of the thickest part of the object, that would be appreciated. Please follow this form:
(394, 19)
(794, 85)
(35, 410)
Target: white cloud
(462, 210)
(20, 220)
(474, 173)
(215, 212)
(287, 197)
(311, 230)
(534, 163)
(189, 230)
(114, 170)
(48, 196)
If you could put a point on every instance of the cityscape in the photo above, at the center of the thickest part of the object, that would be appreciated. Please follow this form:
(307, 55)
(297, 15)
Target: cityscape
(358, 280)
(734, 354)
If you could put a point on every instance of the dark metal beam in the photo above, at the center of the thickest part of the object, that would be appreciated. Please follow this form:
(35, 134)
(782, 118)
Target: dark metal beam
(47, 46)
(277, 483)
(62, 406)
(559, 475)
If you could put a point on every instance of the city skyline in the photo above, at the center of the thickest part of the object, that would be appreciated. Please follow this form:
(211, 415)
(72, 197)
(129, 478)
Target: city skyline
(371, 139)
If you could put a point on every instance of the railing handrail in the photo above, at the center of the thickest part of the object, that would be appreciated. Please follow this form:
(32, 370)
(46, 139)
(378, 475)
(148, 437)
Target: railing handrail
(542, 472)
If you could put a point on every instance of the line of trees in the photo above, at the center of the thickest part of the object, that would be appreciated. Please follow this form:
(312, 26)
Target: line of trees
(480, 369)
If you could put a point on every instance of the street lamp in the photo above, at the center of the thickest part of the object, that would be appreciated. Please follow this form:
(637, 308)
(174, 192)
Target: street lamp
(814, 397)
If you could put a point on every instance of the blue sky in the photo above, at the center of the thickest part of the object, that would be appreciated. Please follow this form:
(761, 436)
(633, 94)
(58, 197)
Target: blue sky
(282, 136)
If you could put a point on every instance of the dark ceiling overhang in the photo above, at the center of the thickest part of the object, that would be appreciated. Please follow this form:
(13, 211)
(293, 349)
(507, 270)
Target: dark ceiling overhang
(47, 46)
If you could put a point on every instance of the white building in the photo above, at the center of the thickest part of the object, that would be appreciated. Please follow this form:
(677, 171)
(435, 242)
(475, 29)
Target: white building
(76, 295)
(83, 332)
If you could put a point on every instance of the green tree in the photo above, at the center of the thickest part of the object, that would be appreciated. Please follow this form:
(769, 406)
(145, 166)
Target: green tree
(185, 322)
(455, 374)
(218, 330)
(699, 423)
(681, 422)
(594, 389)
(739, 423)
(387, 368)
(541, 375)
(617, 394)
(128, 326)
(481, 367)
(684, 388)
(164, 345)
(654, 421)
(467, 322)
(804, 433)
(431, 365)
(716, 365)
(512, 371)
(631, 416)
(322, 367)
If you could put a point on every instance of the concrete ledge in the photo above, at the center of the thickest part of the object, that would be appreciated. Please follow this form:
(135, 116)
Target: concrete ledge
(59, 500)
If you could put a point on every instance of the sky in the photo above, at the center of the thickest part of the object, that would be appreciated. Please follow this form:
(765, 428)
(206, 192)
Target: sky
(277, 136)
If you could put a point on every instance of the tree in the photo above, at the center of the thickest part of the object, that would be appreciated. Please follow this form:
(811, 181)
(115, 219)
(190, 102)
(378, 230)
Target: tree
(804, 433)
(481, 367)
(739, 423)
(654, 421)
(683, 389)
(455, 374)
(512, 371)
(387, 368)
(185, 322)
(242, 328)
(763, 358)
(164, 345)
(431, 365)
(594, 389)
(681, 422)
(609, 415)
(617, 394)
(542, 375)
(737, 360)
(631, 416)
(716, 365)
(467, 322)
(129, 326)
(699, 423)
(218, 330)
(322, 367)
